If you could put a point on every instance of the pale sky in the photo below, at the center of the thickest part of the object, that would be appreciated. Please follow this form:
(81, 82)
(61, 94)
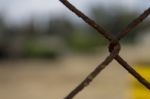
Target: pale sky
(20, 10)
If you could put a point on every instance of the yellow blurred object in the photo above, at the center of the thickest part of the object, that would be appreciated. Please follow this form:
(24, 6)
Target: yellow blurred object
(138, 91)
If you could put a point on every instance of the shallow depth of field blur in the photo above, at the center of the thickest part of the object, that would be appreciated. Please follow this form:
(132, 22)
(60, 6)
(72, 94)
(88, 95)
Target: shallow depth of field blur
(46, 50)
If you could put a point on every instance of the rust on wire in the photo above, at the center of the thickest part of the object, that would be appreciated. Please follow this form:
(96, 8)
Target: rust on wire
(133, 24)
(89, 21)
(93, 74)
(114, 48)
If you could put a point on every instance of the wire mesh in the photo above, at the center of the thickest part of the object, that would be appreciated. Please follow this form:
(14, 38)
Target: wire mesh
(114, 48)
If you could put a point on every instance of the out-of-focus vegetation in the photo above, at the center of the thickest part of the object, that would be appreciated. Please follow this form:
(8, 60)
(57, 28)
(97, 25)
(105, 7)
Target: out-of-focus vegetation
(60, 35)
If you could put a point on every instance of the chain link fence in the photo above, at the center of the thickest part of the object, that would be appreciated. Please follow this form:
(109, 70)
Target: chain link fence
(114, 48)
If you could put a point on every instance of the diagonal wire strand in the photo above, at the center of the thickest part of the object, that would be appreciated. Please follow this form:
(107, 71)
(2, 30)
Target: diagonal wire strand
(88, 20)
(94, 73)
(133, 72)
(133, 24)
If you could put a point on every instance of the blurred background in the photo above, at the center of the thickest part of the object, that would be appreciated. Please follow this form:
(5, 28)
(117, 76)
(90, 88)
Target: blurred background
(46, 50)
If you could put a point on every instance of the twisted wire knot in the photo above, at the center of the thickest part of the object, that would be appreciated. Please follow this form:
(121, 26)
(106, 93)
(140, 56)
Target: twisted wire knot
(114, 45)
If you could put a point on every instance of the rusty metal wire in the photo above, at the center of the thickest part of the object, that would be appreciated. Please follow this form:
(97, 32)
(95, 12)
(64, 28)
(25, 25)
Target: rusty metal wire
(114, 48)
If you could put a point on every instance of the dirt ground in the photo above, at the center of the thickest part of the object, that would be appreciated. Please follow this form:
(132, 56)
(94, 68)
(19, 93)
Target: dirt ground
(43, 79)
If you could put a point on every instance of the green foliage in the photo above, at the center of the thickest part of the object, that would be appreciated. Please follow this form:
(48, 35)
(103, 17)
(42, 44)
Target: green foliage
(84, 42)
(60, 26)
(77, 37)
(34, 50)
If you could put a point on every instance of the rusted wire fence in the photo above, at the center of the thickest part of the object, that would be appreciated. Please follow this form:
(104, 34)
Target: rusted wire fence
(114, 48)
